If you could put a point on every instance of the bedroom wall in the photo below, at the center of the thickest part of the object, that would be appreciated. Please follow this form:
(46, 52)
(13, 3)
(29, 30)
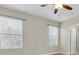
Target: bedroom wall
(35, 34)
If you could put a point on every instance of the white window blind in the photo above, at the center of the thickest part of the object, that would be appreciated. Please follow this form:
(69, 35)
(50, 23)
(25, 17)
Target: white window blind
(53, 36)
(10, 33)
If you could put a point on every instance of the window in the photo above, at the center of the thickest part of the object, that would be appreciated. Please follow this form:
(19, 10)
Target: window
(53, 36)
(10, 33)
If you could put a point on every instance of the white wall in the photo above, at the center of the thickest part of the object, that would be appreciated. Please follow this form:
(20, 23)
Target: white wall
(35, 34)
(65, 39)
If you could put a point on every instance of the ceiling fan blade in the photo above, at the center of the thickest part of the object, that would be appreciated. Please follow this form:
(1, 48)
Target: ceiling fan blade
(44, 5)
(55, 11)
(67, 7)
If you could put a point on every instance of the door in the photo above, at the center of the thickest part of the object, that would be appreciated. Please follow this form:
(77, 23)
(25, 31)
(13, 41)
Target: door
(73, 37)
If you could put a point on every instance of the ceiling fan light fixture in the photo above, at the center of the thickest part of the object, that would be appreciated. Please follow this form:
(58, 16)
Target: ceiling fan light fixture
(58, 6)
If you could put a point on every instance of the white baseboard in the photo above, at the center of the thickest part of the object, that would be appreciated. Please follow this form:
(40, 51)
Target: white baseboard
(66, 53)
(52, 53)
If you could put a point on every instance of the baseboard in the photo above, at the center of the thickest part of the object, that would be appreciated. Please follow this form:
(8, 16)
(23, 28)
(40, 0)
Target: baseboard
(52, 53)
(66, 53)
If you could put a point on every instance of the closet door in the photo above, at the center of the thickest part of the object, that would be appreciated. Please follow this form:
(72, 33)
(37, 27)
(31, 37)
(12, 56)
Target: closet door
(73, 40)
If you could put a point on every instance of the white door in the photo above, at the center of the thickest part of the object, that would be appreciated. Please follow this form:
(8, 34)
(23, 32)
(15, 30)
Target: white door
(73, 40)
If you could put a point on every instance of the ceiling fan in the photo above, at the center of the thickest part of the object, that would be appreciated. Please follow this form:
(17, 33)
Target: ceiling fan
(58, 6)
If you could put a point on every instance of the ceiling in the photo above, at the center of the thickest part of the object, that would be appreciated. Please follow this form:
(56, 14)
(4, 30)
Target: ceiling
(46, 12)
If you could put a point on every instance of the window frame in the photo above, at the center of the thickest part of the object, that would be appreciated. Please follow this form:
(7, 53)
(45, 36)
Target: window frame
(58, 42)
(15, 18)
